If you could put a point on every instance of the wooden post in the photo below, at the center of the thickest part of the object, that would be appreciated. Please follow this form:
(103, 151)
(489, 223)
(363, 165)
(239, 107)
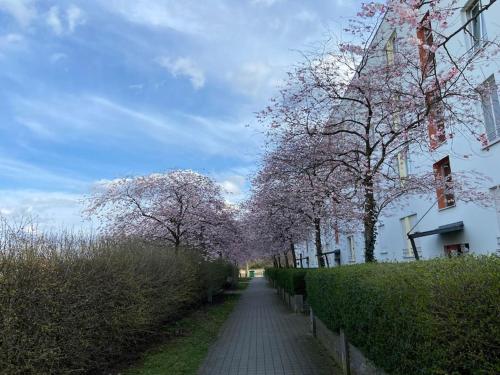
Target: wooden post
(312, 321)
(344, 346)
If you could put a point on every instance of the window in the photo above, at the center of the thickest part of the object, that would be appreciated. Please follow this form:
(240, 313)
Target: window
(496, 197)
(444, 188)
(476, 29)
(390, 49)
(426, 47)
(435, 117)
(336, 257)
(407, 223)
(456, 249)
(403, 165)
(496, 194)
(352, 248)
(491, 108)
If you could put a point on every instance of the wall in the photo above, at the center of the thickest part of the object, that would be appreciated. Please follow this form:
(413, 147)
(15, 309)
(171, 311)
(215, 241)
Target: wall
(481, 222)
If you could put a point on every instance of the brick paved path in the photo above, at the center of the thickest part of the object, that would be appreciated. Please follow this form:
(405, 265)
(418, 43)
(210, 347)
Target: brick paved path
(262, 337)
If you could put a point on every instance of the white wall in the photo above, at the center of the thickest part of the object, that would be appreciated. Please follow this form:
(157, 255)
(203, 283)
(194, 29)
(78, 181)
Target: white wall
(481, 227)
(481, 223)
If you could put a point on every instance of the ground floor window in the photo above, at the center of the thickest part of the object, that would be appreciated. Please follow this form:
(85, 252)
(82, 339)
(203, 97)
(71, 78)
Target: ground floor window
(352, 248)
(456, 249)
(407, 223)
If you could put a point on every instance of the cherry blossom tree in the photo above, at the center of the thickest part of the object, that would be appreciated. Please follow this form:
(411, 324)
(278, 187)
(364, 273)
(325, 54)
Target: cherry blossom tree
(298, 189)
(379, 94)
(181, 207)
(273, 223)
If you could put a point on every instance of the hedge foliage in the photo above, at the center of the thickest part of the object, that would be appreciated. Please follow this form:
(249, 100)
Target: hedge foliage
(430, 317)
(290, 279)
(77, 306)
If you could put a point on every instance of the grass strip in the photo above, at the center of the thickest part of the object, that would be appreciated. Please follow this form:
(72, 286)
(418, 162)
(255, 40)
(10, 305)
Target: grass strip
(191, 339)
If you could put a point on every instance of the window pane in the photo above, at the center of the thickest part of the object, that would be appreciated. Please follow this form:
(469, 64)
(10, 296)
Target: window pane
(444, 190)
(475, 27)
(496, 193)
(491, 108)
(390, 49)
(496, 105)
(403, 165)
(407, 224)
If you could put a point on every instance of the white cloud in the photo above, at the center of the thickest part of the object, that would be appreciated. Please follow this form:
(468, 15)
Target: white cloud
(54, 20)
(184, 66)
(15, 170)
(65, 22)
(231, 187)
(266, 3)
(75, 17)
(11, 38)
(175, 15)
(37, 128)
(50, 210)
(253, 40)
(105, 121)
(10, 41)
(253, 78)
(57, 57)
(234, 182)
(22, 10)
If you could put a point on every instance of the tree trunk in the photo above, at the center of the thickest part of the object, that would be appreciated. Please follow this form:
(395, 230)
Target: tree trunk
(177, 245)
(285, 254)
(275, 262)
(279, 261)
(319, 248)
(294, 256)
(369, 221)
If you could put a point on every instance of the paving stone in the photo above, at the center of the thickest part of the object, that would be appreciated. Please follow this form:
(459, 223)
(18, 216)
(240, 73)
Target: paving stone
(262, 337)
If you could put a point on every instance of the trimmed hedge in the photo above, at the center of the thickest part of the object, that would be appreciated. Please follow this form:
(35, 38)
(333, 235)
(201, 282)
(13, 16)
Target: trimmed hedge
(429, 317)
(75, 306)
(290, 279)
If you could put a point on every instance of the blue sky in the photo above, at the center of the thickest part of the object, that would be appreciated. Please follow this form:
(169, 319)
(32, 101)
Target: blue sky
(93, 90)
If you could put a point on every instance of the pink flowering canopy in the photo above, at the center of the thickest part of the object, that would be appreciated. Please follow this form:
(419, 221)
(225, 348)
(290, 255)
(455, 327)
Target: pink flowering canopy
(182, 208)
(349, 115)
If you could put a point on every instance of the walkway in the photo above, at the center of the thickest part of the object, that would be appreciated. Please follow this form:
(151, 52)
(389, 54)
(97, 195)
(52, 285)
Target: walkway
(261, 337)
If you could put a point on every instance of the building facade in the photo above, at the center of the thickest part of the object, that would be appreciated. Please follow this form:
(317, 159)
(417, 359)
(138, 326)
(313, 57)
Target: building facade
(441, 224)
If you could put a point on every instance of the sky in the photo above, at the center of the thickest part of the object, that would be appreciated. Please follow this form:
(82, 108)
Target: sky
(93, 90)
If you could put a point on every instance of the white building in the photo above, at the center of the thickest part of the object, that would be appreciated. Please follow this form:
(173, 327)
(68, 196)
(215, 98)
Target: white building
(442, 225)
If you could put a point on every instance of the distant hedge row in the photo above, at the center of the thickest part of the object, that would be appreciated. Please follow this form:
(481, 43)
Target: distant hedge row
(430, 317)
(292, 280)
(76, 308)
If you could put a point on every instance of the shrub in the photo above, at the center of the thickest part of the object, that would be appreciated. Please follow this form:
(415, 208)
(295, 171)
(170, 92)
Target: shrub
(428, 317)
(76, 306)
(290, 279)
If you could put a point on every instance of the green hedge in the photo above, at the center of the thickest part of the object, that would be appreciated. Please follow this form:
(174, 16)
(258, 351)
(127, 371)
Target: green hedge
(290, 279)
(429, 317)
(78, 307)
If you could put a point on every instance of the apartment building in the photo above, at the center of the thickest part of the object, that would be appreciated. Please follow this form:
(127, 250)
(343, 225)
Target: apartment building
(441, 224)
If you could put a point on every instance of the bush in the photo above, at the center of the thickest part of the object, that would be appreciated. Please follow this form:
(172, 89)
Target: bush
(290, 279)
(429, 317)
(76, 306)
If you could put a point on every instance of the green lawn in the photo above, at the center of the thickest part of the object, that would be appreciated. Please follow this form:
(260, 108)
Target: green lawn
(192, 336)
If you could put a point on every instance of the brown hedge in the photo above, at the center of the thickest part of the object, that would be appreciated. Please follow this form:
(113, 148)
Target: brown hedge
(76, 307)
